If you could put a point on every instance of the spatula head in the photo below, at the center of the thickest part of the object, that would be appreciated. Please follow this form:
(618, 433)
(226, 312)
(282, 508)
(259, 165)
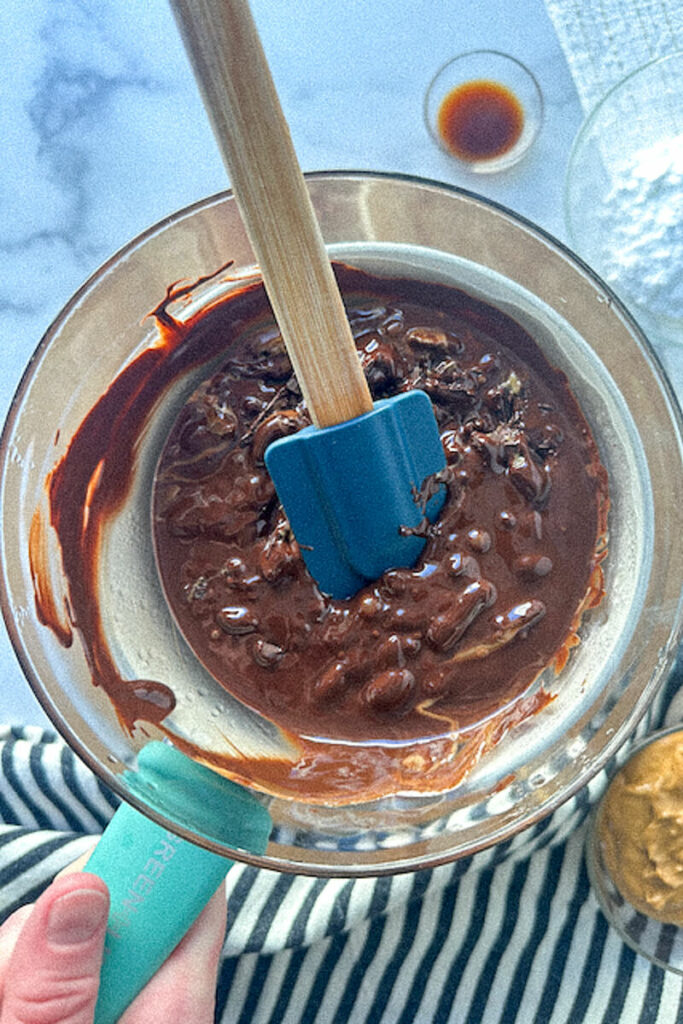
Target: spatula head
(351, 489)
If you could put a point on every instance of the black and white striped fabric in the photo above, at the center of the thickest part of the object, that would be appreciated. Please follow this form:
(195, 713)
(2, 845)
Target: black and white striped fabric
(510, 936)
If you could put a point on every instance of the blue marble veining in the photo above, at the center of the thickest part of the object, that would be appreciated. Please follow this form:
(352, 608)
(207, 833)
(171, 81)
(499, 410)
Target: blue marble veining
(103, 134)
(89, 111)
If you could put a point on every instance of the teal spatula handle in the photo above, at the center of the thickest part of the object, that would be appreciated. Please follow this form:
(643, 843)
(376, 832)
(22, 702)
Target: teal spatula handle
(159, 884)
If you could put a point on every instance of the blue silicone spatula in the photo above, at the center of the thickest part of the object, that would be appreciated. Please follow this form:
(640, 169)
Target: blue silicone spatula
(349, 482)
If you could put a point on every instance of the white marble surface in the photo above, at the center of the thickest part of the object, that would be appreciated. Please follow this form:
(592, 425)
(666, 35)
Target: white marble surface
(103, 134)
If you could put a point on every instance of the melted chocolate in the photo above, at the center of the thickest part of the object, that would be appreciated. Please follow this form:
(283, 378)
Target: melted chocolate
(498, 594)
(504, 576)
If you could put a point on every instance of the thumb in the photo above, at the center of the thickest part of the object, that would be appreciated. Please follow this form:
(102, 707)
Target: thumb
(54, 971)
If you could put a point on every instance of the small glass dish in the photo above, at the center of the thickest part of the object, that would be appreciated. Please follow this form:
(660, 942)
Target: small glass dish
(651, 928)
(484, 109)
(624, 193)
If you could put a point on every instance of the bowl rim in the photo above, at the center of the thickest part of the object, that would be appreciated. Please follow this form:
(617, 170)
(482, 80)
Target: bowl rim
(76, 741)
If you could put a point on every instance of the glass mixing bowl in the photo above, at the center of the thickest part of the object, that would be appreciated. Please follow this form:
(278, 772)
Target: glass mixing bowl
(623, 194)
(391, 225)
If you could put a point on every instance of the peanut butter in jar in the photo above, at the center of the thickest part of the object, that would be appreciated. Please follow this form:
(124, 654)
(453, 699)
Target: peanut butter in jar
(640, 829)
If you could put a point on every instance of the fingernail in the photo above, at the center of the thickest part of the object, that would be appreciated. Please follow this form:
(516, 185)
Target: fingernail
(75, 917)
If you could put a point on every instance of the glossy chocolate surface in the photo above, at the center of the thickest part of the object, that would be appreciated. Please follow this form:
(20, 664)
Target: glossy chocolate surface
(507, 569)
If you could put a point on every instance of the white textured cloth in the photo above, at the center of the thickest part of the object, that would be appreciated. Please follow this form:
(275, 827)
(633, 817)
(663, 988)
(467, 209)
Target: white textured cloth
(604, 40)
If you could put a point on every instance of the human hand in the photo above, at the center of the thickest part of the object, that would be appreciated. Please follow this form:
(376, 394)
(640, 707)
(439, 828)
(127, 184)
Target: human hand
(51, 952)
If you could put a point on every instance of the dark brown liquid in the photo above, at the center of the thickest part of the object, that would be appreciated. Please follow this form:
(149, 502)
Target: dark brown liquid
(480, 120)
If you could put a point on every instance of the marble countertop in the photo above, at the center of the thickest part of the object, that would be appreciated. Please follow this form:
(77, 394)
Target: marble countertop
(104, 134)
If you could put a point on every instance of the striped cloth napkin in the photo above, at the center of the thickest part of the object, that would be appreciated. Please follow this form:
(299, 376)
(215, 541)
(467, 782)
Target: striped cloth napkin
(512, 934)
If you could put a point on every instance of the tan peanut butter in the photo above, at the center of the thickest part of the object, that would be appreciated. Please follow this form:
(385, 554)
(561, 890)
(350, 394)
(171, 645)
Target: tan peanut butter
(640, 829)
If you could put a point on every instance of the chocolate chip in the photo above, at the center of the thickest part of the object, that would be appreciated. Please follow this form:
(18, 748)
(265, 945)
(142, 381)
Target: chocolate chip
(237, 575)
(507, 520)
(332, 683)
(407, 617)
(455, 563)
(390, 653)
(531, 480)
(546, 441)
(237, 620)
(379, 364)
(459, 565)
(448, 627)
(270, 356)
(393, 324)
(479, 540)
(520, 616)
(266, 654)
(390, 690)
(453, 447)
(533, 566)
(411, 646)
(221, 418)
(280, 555)
(370, 605)
(427, 337)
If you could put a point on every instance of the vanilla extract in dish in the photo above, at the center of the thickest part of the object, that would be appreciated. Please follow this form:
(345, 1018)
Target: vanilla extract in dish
(507, 571)
(480, 120)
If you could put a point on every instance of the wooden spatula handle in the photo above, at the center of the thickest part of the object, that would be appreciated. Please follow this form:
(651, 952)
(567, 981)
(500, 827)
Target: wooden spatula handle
(230, 66)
